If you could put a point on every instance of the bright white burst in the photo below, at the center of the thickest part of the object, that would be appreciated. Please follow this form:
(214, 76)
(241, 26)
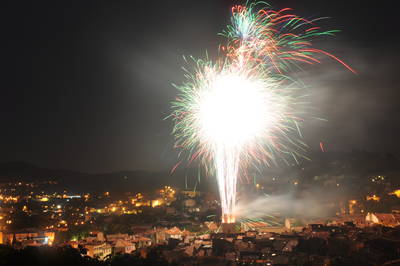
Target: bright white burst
(233, 110)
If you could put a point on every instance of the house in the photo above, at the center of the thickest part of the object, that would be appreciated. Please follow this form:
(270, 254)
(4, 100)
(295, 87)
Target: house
(38, 237)
(98, 250)
(174, 232)
(95, 236)
(142, 242)
(159, 236)
(212, 226)
(123, 246)
(386, 219)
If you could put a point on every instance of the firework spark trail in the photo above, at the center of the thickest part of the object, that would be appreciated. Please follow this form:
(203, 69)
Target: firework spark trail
(227, 165)
(277, 39)
(246, 107)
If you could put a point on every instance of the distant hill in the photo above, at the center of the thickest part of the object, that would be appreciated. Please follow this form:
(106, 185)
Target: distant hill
(123, 181)
(22, 171)
(360, 163)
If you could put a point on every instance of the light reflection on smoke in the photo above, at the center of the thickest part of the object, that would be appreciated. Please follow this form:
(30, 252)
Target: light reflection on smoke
(284, 206)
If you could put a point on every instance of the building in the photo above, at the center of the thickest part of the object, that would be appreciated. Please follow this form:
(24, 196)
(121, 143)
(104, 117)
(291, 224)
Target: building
(386, 219)
(98, 250)
(123, 246)
(28, 237)
(142, 242)
(174, 232)
(96, 236)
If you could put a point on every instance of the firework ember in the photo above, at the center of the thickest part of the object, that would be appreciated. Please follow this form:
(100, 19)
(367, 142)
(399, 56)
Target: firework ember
(245, 108)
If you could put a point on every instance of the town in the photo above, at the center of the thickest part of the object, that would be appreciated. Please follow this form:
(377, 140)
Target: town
(172, 225)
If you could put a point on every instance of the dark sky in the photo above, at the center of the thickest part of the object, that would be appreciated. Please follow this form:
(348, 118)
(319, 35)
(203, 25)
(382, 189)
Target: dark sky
(86, 84)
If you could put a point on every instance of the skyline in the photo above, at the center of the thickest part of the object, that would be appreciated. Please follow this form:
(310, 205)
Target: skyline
(90, 84)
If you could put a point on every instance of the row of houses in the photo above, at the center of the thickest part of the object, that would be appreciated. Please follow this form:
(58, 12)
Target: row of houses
(29, 237)
(98, 245)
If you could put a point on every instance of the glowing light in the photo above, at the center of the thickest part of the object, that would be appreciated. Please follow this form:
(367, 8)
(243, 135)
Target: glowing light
(157, 202)
(396, 192)
(233, 110)
(374, 198)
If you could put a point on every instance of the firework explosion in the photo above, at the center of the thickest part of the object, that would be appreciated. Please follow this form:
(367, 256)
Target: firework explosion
(246, 108)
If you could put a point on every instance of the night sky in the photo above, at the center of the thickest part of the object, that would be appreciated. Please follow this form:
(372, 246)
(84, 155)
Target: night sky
(86, 85)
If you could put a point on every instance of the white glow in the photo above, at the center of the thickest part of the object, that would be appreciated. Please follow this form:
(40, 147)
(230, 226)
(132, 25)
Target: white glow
(233, 110)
